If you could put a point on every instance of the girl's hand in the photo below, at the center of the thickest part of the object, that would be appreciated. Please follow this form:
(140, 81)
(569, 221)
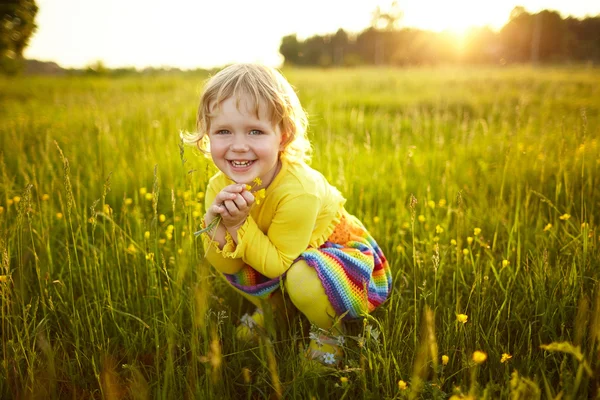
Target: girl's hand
(237, 210)
(218, 206)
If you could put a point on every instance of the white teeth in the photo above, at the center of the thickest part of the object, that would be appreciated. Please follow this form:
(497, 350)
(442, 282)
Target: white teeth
(241, 163)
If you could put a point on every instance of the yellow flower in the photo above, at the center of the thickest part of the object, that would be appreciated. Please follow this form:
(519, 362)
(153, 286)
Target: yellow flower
(476, 231)
(259, 196)
(162, 241)
(196, 214)
(376, 219)
(505, 357)
(16, 199)
(45, 197)
(405, 225)
(147, 235)
(462, 318)
(466, 252)
(442, 203)
(179, 251)
(479, 357)
(431, 204)
(143, 191)
(10, 202)
(107, 210)
(162, 218)
(3, 278)
(343, 380)
(439, 229)
(131, 249)
(547, 227)
(257, 181)
(128, 201)
(248, 187)
(150, 256)
(148, 196)
(399, 248)
(59, 215)
(200, 195)
(453, 242)
(445, 359)
(469, 240)
(565, 217)
(402, 385)
(421, 218)
(1, 209)
(505, 263)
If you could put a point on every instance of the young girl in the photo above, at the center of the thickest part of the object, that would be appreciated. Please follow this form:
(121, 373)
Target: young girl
(274, 222)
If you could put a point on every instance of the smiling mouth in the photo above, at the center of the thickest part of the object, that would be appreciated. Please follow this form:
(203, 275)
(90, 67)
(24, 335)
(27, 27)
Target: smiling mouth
(240, 164)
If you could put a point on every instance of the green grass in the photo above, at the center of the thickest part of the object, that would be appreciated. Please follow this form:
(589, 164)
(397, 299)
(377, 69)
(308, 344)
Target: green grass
(105, 300)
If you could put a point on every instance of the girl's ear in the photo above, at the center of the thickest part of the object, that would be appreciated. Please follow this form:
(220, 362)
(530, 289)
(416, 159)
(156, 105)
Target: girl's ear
(285, 139)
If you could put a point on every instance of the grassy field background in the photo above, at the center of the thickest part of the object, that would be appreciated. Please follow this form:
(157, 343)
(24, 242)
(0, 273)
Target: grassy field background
(481, 185)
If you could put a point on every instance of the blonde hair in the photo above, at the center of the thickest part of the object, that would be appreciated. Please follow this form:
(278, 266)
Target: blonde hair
(264, 86)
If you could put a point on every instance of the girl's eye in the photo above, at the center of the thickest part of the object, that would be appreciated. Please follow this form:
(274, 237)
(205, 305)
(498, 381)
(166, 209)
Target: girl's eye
(256, 132)
(222, 132)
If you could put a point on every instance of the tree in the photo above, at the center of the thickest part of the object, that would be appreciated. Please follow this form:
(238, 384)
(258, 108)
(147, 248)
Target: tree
(17, 24)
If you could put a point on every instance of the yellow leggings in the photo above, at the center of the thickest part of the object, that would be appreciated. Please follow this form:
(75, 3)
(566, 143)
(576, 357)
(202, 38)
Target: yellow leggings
(304, 289)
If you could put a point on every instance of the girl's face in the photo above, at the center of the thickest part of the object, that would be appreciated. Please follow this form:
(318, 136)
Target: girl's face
(243, 146)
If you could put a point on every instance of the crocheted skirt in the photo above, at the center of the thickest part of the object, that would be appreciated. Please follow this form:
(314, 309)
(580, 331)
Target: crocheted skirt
(353, 270)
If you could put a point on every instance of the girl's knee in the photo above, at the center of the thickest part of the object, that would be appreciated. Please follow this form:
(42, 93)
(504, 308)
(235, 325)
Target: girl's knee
(301, 280)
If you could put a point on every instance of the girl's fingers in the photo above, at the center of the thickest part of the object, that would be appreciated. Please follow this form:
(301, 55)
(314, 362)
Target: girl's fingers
(249, 197)
(241, 202)
(231, 207)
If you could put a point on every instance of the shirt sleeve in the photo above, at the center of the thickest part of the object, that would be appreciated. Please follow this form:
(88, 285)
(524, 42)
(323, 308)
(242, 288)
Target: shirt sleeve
(289, 235)
(219, 258)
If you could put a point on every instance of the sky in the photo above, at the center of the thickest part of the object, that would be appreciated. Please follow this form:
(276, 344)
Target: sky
(192, 34)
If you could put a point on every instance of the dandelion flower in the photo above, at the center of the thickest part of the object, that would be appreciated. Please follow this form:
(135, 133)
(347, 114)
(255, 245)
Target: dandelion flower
(257, 181)
(147, 235)
(128, 201)
(148, 196)
(399, 248)
(343, 380)
(466, 252)
(442, 203)
(453, 242)
(1, 209)
(445, 359)
(565, 217)
(405, 225)
(479, 357)
(259, 196)
(200, 195)
(59, 215)
(476, 231)
(505, 357)
(376, 219)
(438, 229)
(421, 218)
(150, 256)
(180, 251)
(3, 278)
(162, 218)
(402, 385)
(45, 197)
(505, 263)
(196, 214)
(547, 227)
(143, 191)
(131, 249)
(469, 240)
(462, 318)
(10, 202)
(431, 204)
(16, 199)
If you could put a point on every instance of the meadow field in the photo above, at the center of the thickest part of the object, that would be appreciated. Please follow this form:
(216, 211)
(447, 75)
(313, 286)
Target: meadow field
(481, 185)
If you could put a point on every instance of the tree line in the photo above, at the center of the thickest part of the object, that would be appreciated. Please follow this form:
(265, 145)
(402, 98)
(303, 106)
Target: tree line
(544, 37)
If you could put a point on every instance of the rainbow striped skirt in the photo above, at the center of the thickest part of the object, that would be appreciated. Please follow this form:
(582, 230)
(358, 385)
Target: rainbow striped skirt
(350, 265)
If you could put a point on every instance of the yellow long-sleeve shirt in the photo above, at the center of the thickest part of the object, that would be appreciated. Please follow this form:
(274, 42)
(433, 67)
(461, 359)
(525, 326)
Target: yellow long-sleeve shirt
(300, 210)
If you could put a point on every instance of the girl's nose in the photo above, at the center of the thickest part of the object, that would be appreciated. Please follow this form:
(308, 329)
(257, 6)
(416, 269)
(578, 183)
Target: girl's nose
(239, 144)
